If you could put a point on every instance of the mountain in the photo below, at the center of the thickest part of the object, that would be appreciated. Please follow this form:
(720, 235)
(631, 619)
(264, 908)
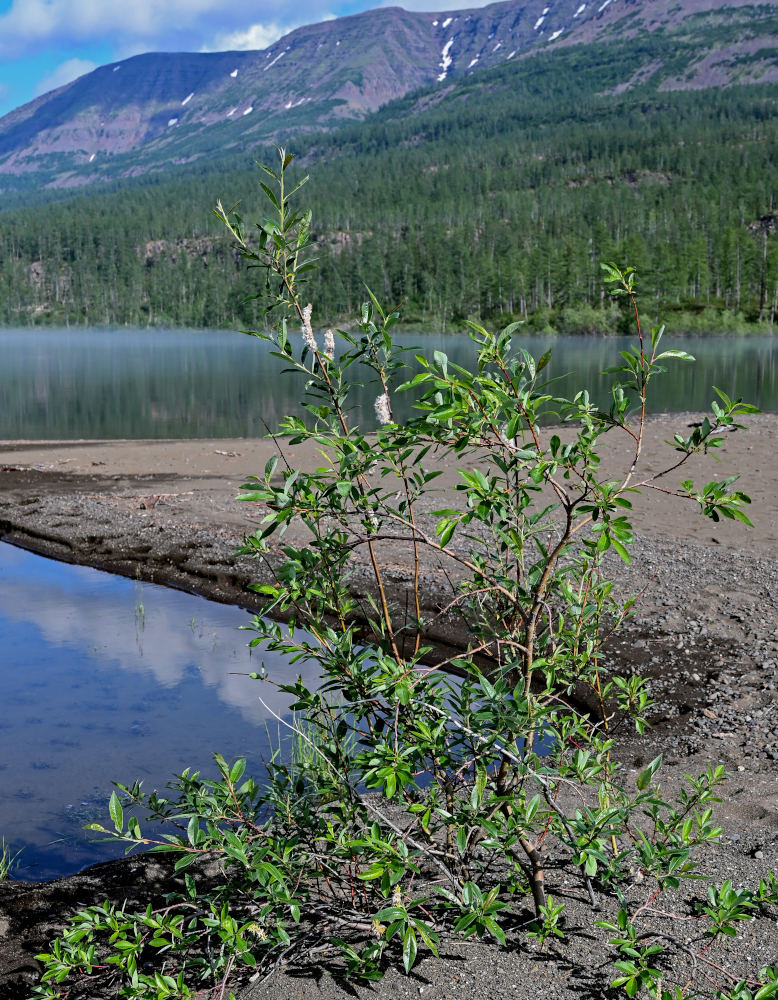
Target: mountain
(645, 133)
(159, 110)
(495, 196)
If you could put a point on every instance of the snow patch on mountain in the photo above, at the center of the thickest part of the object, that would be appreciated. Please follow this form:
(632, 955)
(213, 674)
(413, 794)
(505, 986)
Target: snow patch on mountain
(580, 10)
(445, 59)
(234, 73)
(555, 35)
(274, 61)
(186, 100)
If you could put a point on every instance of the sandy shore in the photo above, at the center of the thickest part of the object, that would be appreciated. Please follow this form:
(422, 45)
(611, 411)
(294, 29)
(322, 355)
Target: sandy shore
(198, 479)
(706, 632)
(166, 510)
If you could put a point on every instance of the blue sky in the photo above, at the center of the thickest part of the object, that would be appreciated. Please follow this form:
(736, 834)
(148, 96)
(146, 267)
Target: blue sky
(46, 43)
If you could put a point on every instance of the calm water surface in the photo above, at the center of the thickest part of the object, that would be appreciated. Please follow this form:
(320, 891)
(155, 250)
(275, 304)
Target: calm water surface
(183, 383)
(104, 679)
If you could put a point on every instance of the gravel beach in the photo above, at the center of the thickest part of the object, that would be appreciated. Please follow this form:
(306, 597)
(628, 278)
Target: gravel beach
(705, 632)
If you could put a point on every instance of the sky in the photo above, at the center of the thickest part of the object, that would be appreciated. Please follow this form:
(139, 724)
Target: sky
(47, 43)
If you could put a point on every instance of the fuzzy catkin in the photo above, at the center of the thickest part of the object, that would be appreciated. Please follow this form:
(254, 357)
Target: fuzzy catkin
(382, 410)
(308, 338)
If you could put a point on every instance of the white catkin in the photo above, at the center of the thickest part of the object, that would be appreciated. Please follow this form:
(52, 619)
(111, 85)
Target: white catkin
(329, 344)
(382, 410)
(308, 338)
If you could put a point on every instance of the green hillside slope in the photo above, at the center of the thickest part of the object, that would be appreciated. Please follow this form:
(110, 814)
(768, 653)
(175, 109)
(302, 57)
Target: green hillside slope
(495, 197)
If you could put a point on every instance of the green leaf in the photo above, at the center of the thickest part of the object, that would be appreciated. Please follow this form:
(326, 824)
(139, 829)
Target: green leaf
(116, 812)
(267, 169)
(270, 195)
(622, 551)
(496, 930)
(295, 189)
(513, 426)
(192, 830)
(446, 529)
(543, 361)
(644, 778)
(409, 949)
(237, 771)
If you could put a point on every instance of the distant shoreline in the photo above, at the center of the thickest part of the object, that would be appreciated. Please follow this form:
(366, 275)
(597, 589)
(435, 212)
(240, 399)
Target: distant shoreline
(576, 322)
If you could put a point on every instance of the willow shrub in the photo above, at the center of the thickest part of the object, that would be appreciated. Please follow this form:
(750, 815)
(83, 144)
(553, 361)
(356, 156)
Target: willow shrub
(481, 766)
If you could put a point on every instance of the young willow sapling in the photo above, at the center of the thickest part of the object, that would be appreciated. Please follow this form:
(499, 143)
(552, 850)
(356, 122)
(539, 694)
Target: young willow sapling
(436, 786)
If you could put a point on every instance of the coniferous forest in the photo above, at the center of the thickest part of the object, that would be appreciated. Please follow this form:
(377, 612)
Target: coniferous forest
(496, 197)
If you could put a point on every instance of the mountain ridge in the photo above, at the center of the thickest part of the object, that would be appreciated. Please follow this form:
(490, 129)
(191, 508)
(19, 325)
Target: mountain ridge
(493, 196)
(132, 115)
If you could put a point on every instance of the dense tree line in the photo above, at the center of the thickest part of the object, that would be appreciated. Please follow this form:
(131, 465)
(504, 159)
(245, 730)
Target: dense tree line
(498, 199)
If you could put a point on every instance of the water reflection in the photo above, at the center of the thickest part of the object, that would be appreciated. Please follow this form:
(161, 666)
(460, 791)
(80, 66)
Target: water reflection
(189, 383)
(103, 679)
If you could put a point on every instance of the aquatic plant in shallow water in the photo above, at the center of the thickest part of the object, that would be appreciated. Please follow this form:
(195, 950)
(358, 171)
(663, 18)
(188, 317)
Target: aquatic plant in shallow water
(418, 803)
(7, 859)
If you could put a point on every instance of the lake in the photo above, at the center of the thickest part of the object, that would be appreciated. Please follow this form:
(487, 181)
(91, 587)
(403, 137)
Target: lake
(85, 383)
(104, 679)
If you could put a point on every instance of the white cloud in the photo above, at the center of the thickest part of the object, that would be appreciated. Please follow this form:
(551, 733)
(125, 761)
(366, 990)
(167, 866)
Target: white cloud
(256, 36)
(72, 613)
(144, 25)
(262, 34)
(69, 70)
